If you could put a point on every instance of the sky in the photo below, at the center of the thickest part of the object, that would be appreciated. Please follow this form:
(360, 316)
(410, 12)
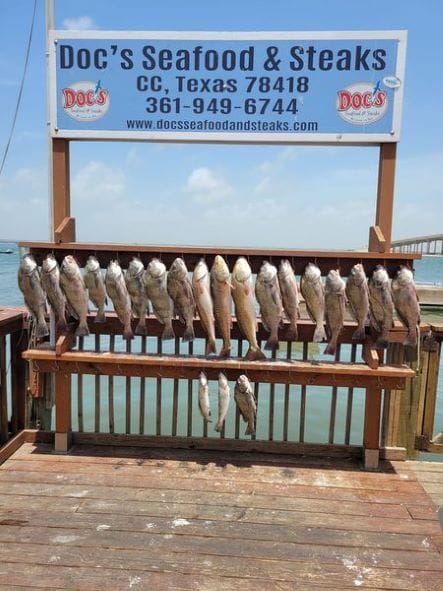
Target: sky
(289, 196)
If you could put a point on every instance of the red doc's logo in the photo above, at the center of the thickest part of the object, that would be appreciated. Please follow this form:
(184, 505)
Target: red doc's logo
(362, 103)
(85, 100)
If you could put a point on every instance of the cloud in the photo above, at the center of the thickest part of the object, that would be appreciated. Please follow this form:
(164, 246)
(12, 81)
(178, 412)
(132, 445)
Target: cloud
(207, 186)
(98, 182)
(80, 23)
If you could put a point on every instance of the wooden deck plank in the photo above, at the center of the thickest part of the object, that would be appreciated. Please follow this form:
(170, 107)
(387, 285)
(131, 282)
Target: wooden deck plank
(43, 473)
(132, 518)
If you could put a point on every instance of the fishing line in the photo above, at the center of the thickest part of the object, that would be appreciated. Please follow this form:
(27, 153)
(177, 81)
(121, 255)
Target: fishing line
(19, 97)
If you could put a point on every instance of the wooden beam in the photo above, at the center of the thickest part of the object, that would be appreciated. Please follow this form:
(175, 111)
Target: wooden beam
(385, 196)
(326, 260)
(61, 200)
(62, 411)
(65, 232)
(18, 381)
(371, 432)
(377, 242)
(356, 375)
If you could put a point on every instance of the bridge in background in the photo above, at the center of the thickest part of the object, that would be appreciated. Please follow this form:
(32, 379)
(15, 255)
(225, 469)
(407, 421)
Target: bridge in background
(432, 244)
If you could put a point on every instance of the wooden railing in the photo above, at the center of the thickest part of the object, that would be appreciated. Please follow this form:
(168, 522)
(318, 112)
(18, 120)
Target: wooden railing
(13, 341)
(146, 391)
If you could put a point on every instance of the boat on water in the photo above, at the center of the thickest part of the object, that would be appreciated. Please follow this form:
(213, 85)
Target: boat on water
(6, 251)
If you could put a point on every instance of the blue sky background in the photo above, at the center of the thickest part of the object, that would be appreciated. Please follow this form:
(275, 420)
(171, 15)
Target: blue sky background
(288, 196)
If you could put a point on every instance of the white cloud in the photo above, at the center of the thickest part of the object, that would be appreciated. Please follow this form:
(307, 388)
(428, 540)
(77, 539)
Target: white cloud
(263, 185)
(207, 186)
(99, 182)
(80, 23)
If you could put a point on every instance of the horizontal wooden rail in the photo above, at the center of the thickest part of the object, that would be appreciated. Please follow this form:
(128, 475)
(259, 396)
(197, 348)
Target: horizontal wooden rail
(326, 260)
(357, 375)
(305, 329)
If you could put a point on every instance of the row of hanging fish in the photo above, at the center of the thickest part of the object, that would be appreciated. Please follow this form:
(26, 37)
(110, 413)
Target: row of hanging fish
(243, 396)
(210, 294)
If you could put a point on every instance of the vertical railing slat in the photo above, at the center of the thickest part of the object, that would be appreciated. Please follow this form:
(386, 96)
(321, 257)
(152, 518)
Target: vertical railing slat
(141, 420)
(286, 402)
(3, 393)
(189, 409)
(350, 400)
(128, 393)
(111, 417)
(301, 435)
(175, 394)
(333, 412)
(97, 390)
(158, 408)
(80, 394)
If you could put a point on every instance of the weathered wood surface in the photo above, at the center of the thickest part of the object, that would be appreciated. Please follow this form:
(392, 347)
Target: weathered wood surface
(161, 519)
(326, 260)
(167, 366)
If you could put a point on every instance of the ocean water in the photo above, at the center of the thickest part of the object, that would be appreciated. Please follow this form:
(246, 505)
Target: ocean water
(429, 270)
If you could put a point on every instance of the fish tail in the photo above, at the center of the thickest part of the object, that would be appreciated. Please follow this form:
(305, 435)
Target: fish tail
(272, 343)
(140, 329)
(359, 334)
(61, 325)
(210, 347)
(411, 338)
(330, 348)
(41, 329)
(292, 332)
(127, 332)
(381, 342)
(225, 351)
(82, 330)
(249, 430)
(319, 334)
(189, 334)
(255, 354)
(219, 426)
(168, 333)
(100, 316)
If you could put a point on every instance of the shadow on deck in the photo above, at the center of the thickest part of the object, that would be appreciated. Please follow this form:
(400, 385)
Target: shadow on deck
(153, 519)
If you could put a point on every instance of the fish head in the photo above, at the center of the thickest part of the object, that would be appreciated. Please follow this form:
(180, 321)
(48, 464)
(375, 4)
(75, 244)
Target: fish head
(243, 383)
(156, 268)
(135, 268)
(28, 264)
(380, 276)
(49, 263)
(285, 269)
(267, 272)
(114, 270)
(179, 268)
(334, 282)
(222, 379)
(404, 276)
(312, 272)
(69, 266)
(358, 274)
(200, 270)
(241, 271)
(220, 269)
(92, 264)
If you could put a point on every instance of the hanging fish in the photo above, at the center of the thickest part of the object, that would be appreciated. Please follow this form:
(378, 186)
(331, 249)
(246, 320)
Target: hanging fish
(221, 295)
(95, 285)
(136, 289)
(117, 291)
(156, 290)
(30, 285)
(74, 288)
(50, 278)
(224, 398)
(202, 295)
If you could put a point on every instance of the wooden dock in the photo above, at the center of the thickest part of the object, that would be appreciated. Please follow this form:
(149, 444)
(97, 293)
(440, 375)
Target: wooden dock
(153, 519)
